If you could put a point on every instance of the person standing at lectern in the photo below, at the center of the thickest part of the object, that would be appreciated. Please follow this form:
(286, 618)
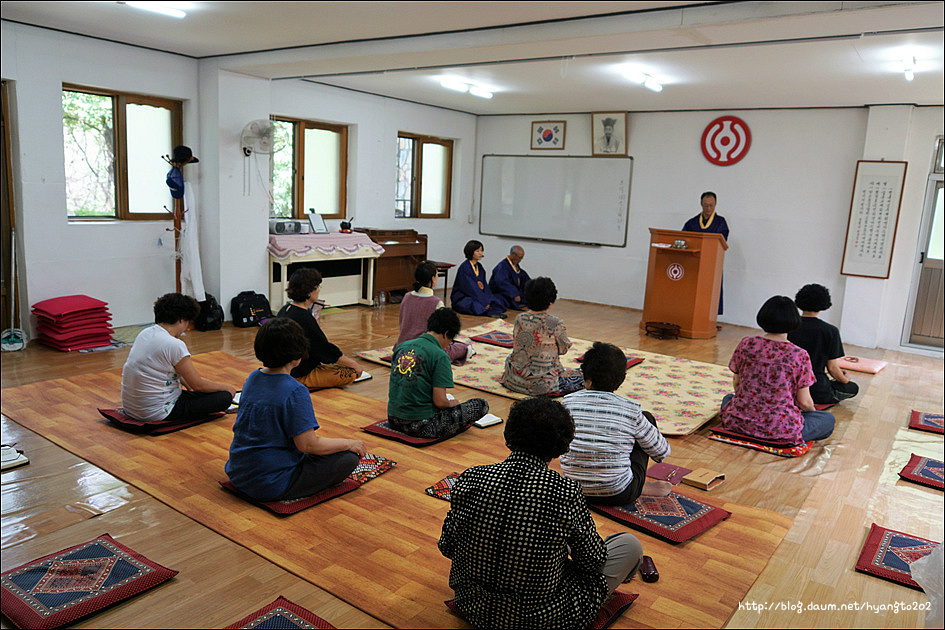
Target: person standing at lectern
(709, 221)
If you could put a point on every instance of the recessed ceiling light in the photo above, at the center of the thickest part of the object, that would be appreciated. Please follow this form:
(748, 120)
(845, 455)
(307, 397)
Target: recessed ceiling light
(162, 8)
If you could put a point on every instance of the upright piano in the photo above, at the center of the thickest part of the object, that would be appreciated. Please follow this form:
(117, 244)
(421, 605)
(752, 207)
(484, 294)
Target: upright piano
(403, 249)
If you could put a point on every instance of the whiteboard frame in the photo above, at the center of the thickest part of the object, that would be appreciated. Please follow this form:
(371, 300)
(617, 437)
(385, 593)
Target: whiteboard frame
(896, 172)
(543, 239)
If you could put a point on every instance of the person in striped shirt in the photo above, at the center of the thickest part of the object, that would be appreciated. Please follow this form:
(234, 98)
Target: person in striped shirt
(614, 438)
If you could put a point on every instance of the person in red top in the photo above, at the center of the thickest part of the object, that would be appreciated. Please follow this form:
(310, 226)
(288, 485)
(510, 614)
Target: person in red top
(772, 379)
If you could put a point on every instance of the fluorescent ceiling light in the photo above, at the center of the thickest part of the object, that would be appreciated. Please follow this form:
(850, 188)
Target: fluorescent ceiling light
(641, 78)
(454, 84)
(908, 64)
(635, 75)
(461, 85)
(157, 7)
(652, 84)
(475, 90)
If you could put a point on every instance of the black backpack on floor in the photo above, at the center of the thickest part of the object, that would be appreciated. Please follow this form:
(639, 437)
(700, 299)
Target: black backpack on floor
(211, 315)
(249, 309)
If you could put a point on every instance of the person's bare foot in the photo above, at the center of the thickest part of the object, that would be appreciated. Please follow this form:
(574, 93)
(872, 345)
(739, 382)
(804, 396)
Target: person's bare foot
(654, 488)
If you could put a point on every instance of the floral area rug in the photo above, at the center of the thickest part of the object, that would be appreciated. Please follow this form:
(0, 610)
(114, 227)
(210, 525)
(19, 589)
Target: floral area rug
(682, 394)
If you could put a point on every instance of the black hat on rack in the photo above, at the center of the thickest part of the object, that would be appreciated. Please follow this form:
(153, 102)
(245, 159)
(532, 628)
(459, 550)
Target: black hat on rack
(183, 155)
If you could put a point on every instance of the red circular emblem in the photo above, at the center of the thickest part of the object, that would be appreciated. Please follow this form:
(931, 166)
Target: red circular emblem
(726, 140)
(675, 271)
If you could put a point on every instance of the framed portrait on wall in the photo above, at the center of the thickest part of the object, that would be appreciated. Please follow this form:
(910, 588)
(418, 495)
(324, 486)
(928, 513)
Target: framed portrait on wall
(609, 133)
(548, 134)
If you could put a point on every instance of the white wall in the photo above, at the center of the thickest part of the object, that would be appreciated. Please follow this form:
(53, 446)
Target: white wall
(120, 262)
(234, 231)
(786, 203)
(875, 309)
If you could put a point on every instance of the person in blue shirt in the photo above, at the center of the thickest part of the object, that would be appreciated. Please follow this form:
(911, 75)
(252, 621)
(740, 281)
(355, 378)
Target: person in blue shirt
(276, 453)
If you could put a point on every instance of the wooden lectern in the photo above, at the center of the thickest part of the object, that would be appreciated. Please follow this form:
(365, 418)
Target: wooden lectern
(682, 285)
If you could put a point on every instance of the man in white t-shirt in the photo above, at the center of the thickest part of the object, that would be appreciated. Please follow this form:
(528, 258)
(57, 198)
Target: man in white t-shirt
(159, 364)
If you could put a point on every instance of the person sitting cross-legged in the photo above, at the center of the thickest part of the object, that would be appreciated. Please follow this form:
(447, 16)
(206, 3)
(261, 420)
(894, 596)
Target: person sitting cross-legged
(823, 344)
(772, 379)
(471, 294)
(277, 453)
(613, 436)
(159, 364)
(420, 374)
(324, 365)
(539, 338)
(524, 548)
(418, 305)
(509, 279)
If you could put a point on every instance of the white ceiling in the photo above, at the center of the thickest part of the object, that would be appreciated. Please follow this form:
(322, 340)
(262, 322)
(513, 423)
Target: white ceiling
(552, 57)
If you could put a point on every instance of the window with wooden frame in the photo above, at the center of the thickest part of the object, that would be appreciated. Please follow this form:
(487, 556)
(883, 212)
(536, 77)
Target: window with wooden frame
(424, 177)
(309, 169)
(113, 143)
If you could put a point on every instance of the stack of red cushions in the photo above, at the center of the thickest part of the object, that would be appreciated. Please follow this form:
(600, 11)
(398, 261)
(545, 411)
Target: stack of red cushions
(73, 322)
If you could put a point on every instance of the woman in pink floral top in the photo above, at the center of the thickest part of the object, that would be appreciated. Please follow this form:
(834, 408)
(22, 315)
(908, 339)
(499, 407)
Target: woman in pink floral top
(772, 378)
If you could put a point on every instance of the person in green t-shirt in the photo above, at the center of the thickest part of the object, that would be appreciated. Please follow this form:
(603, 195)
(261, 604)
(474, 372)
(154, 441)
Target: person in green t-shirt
(420, 374)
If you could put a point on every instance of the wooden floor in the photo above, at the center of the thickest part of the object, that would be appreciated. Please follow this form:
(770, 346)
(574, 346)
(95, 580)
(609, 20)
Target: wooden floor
(832, 494)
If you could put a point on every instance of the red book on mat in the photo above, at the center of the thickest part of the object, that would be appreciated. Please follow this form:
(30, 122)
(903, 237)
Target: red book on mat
(888, 554)
(668, 472)
(68, 304)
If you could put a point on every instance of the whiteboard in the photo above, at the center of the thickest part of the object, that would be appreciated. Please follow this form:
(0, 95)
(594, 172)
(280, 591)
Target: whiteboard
(575, 199)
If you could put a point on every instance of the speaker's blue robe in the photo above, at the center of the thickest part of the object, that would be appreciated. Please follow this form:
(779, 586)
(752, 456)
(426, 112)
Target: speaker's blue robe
(507, 284)
(717, 226)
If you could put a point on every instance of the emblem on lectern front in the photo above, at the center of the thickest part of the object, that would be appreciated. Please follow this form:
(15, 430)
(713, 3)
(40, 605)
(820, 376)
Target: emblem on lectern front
(675, 271)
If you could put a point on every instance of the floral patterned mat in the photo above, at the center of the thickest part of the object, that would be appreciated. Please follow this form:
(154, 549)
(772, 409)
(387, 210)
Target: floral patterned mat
(682, 394)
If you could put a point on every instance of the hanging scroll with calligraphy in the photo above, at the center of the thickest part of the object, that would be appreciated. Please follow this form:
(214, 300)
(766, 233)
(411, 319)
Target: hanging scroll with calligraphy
(874, 215)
